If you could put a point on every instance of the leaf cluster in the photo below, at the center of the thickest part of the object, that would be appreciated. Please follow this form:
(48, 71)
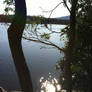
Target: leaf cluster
(9, 6)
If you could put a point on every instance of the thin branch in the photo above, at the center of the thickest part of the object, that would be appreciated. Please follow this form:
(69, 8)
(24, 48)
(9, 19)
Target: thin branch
(52, 31)
(51, 11)
(54, 8)
(47, 43)
(66, 6)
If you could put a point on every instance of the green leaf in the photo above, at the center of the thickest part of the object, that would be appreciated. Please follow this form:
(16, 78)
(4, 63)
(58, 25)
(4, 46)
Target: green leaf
(45, 35)
(75, 68)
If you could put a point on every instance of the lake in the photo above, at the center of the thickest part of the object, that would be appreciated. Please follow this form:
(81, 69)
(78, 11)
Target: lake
(41, 62)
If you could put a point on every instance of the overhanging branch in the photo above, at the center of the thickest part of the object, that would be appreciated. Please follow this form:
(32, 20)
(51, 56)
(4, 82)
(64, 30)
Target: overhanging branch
(44, 42)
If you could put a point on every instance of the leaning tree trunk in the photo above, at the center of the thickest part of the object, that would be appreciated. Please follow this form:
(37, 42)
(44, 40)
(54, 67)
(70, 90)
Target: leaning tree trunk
(70, 48)
(15, 32)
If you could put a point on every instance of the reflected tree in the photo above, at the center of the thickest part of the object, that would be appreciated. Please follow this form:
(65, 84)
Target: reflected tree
(15, 32)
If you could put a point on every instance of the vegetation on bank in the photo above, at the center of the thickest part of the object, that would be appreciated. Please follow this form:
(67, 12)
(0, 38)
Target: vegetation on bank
(35, 19)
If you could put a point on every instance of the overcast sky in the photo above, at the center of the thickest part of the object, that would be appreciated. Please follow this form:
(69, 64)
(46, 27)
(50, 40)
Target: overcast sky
(35, 7)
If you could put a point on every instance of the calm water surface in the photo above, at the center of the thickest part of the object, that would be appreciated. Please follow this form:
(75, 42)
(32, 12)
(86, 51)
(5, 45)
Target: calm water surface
(41, 62)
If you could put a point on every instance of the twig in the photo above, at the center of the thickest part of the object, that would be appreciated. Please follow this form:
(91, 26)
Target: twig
(52, 9)
(47, 43)
(66, 6)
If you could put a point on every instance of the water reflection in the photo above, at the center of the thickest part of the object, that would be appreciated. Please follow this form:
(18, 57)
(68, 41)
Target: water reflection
(50, 84)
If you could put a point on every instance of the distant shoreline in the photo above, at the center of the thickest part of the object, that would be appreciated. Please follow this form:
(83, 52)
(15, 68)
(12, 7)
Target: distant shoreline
(36, 19)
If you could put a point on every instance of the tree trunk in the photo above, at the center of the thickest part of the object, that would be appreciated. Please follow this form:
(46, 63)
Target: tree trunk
(70, 48)
(15, 32)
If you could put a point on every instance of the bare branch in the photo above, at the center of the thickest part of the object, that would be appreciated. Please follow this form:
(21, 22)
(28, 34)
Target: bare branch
(44, 42)
(54, 8)
(51, 11)
(52, 31)
(66, 5)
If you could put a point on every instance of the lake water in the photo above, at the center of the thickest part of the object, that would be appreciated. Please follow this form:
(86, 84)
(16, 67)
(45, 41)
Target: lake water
(41, 62)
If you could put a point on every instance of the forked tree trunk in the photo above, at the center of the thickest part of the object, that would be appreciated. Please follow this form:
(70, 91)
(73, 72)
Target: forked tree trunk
(15, 32)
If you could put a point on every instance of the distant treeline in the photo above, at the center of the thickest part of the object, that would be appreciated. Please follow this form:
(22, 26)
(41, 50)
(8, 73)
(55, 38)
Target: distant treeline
(36, 19)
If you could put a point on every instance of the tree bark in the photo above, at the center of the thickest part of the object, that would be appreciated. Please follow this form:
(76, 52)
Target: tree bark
(15, 32)
(70, 48)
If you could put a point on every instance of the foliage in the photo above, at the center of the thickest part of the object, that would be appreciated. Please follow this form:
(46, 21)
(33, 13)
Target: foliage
(45, 35)
(42, 34)
(81, 66)
(9, 6)
(9, 2)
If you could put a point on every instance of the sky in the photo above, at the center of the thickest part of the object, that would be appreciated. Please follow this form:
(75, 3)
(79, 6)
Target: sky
(36, 7)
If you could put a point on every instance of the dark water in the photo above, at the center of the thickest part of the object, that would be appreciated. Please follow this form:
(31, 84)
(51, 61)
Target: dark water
(41, 62)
